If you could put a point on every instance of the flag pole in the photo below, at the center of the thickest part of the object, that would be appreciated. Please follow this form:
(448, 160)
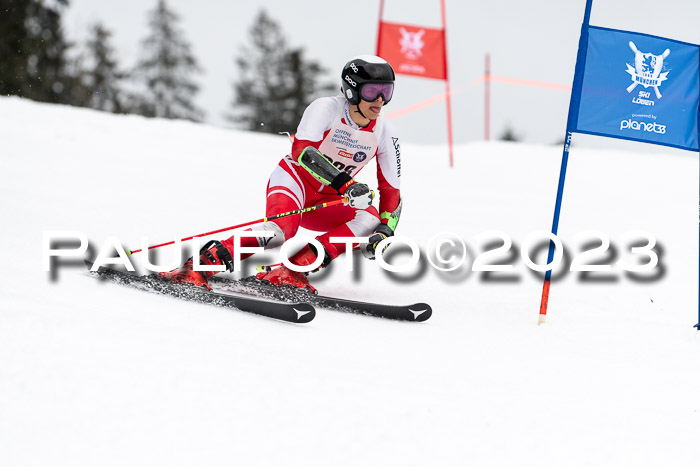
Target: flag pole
(447, 86)
(698, 325)
(487, 97)
(379, 26)
(571, 123)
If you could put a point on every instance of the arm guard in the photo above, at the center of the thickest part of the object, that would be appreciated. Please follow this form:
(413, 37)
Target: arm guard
(391, 219)
(323, 170)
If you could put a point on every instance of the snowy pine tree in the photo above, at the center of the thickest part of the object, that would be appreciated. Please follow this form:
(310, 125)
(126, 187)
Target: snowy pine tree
(275, 83)
(14, 46)
(34, 60)
(166, 67)
(509, 135)
(101, 74)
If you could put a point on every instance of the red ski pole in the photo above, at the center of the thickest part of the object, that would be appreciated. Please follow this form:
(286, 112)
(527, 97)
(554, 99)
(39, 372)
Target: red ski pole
(264, 219)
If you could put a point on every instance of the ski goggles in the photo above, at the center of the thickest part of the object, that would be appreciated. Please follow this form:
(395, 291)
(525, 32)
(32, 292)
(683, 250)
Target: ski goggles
(371, 91)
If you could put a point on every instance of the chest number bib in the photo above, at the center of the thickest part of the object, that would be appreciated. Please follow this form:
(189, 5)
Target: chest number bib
(347, 148)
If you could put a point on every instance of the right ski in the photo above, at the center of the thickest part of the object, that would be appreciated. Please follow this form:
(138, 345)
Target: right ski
(292, 312)
(250, 285)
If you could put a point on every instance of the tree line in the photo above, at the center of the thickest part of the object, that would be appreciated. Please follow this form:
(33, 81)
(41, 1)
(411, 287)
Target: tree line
(275, 82)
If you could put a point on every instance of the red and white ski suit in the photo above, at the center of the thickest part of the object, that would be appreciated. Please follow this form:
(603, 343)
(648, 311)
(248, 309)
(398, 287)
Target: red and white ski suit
(327, 125)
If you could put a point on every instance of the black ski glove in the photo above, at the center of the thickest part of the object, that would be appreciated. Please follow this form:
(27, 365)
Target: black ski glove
(380, 233)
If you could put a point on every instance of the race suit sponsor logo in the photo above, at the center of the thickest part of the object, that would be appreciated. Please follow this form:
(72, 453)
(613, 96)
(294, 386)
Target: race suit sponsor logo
(359, 156)
(397, 148)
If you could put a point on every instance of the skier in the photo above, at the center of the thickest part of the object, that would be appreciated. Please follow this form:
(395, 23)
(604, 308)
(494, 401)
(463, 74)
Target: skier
(336, 138)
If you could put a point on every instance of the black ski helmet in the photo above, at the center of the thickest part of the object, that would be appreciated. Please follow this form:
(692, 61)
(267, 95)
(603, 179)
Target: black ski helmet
(361, 70)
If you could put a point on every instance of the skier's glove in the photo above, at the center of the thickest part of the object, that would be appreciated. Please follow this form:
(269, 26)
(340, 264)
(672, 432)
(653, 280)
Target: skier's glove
(380, 233)
(358, 195)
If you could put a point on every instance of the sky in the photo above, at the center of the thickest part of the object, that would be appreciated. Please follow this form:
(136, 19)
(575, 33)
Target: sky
(534, 40)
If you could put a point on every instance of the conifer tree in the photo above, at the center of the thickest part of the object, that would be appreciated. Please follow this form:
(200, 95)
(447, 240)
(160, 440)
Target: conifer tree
(166, 67)
(14, 46)
(34, 60)
(275, 82)
(509, 135)
(101, 74)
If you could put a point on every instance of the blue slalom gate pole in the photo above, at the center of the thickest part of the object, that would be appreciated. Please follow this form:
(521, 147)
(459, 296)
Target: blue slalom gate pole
(697, 326)
(571, 122)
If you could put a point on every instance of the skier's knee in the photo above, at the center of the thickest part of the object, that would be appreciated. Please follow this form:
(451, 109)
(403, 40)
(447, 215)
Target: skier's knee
(280, 236)
(364, 223)
(333, 250)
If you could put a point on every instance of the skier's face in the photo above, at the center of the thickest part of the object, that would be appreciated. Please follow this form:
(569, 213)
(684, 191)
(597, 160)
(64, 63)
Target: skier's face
(371, 110)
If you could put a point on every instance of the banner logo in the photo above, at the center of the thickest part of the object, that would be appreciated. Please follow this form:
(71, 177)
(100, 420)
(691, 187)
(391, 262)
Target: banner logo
(411, 43)
(642, 126)
(647, 70)
(413, 50)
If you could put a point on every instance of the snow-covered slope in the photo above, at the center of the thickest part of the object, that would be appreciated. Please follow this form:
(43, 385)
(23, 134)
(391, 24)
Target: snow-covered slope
(95, 374)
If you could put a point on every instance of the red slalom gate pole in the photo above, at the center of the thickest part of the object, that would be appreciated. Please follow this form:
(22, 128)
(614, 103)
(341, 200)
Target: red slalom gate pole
(264, 219)
(379, 28)
(448, 91)
(487, 98)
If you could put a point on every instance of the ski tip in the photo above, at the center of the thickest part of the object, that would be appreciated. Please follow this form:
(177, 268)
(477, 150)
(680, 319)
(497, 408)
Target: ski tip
(421, 311)
(89, 265)
(305, 312)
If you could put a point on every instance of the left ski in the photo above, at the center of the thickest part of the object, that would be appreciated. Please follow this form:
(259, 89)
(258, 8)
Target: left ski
(251, 286)
(291, 312)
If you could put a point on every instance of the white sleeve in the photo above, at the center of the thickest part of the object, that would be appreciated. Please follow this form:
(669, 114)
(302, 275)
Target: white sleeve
(317, 119)
(389, 154)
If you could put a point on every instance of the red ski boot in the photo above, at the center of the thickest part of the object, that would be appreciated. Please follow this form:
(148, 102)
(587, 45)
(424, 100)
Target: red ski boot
(217, 254)
(285, 276)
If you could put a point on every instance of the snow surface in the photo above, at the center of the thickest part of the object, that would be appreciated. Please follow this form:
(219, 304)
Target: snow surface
(96, 374)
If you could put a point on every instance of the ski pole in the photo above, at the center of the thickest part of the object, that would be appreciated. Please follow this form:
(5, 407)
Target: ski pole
(264, 219)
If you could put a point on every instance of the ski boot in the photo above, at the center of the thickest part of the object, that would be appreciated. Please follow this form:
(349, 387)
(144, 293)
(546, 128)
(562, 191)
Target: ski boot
(212, 253)
(283, 276)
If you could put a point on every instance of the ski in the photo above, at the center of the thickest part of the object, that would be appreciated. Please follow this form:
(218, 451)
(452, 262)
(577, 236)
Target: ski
(252, 286)
(285, 311)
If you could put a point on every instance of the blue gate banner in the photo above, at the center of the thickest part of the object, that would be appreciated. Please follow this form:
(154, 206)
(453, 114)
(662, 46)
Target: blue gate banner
(639, 87)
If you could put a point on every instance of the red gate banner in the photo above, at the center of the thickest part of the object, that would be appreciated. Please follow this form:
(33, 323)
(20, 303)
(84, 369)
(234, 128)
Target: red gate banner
(413, 50)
